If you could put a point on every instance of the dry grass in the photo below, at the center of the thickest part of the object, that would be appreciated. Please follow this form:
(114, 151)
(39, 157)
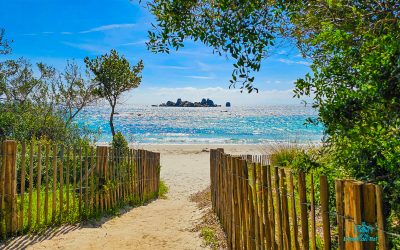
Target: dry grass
(209, 225)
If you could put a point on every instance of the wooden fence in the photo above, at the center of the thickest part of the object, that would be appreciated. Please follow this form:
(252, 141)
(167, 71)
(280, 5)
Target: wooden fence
(264, 207)
(47, 184)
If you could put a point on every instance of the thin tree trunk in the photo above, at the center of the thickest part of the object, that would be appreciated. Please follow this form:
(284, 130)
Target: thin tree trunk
(111, 121)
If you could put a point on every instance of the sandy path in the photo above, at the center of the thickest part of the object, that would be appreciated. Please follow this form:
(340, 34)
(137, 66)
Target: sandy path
(162, 224)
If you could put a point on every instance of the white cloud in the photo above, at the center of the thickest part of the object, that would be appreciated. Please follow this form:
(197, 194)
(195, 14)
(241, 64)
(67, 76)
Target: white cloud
(173, 67)
(66, 33)
(282, 52)
(201, 77)
(87, 47)
(287, 61)
(109, 27)
(204, 67)
(141, 42)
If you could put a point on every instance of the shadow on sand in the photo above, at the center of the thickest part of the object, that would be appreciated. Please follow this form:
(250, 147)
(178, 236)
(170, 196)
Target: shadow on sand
(24, 241)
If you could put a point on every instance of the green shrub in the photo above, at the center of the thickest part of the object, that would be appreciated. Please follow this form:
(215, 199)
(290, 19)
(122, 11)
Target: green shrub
(162, 190)
(209, 237)
(120, 144)
(283, 154)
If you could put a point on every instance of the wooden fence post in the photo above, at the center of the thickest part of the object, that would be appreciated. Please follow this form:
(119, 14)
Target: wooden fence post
(324, 193)
(271, 208)
(21, 217)
(9, 175)
(285, 211)
(244, 177)
(383, 244)
(254, 202)
(303, 210)
(352, 209)
(102, 166)
(339, 189)
(369, 210)
(278, 209)
(293, 213)
(267, 225)
(313, 226)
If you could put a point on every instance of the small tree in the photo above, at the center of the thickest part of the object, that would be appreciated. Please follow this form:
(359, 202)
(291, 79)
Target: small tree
(113, 76)
(4, 44)
(74, 92)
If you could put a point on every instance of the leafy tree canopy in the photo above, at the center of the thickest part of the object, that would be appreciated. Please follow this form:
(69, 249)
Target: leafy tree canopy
(242, 29)
(355, 52)
(42, 105)
(74, 91)
(4, 44)
(114, 76)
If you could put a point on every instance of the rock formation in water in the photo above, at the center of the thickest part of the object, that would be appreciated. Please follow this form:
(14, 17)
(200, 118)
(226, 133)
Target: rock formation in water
(179, 103)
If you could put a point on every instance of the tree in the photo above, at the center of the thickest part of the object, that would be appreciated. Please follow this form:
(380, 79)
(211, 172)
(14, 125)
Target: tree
(19, 84)
(4, 44)
(74, 92)
(29, 107)
(113, 76)
(242, 29)
(355, 81)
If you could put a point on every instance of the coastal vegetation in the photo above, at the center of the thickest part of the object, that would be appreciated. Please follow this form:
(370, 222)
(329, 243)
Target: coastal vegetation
(57, 177)
(44, 105)
(353, 50)
(40, 106)
(113, 76)
(4, 44)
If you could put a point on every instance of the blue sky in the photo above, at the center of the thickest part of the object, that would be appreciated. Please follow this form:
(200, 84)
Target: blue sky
(55, 31)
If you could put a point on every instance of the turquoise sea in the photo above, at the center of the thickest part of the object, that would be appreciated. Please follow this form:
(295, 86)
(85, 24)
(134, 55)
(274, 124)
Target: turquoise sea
(235, 125)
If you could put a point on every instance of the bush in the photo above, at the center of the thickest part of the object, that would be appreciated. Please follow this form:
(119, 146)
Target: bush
(27, 121)
(120, 144)
(162, 190)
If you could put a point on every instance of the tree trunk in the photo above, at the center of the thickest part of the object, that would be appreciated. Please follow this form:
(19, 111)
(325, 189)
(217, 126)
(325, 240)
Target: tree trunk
(111, 121)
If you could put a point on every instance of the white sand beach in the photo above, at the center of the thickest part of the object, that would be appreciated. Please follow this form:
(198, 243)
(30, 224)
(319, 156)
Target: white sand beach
(162, 224)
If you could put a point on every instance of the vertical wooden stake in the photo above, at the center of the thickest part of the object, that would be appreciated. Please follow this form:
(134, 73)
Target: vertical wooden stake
(293, 213)
(352, 210)
(67, 187)
(324, 193)
(339, 189)
(30, 185)
(54, 197)
(74, 166)
(21, 218)
(271, 208)
(383, 244)
(313, 226)
(255, 202)
(46, 194)
(38, 183)
(369, 211)
(278, 209)
(267, 226)
(61, 191)
(285, 211)
(10, 185)
(303, 210)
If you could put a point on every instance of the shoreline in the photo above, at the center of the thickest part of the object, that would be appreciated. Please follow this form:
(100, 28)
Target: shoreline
(197, 149)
